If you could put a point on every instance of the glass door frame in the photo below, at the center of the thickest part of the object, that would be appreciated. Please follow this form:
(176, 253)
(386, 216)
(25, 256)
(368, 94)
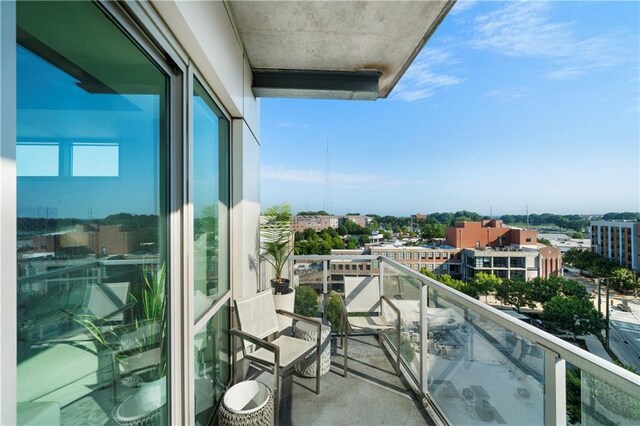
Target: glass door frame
(144, 26)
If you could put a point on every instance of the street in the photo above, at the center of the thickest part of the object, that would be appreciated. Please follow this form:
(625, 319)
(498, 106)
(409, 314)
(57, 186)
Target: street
(624, 334)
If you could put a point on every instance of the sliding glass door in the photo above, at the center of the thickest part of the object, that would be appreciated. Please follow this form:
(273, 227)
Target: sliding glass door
(92, 208)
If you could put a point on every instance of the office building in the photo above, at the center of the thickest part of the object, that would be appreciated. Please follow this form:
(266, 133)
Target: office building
(489, 233)
(617, 240)
(512, 262)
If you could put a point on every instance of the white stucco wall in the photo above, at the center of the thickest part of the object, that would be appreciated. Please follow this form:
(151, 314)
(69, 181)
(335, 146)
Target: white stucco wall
(245, 217)
(207, 35)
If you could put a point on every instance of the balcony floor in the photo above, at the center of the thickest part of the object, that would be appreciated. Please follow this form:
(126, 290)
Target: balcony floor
(371, 395)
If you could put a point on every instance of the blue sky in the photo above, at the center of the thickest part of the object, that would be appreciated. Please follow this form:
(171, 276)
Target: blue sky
(509, 104)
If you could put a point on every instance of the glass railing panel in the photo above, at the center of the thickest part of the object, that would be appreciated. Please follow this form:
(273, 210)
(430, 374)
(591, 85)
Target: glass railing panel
(212, 365)
(479, 371)
(603, 403)
(404, 292)
(309, 273)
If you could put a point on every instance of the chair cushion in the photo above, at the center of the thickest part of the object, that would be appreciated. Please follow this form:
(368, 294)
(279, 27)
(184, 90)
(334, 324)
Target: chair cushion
(371, 324)
(290, 350)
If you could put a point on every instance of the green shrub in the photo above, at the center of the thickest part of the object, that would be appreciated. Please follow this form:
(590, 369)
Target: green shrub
(306, 302)
(334, 312)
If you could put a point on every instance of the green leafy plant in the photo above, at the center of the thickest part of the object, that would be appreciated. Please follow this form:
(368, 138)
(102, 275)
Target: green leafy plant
(152, 320)
(275, 234)
(306, 302)
(149, 327)
(334, 312)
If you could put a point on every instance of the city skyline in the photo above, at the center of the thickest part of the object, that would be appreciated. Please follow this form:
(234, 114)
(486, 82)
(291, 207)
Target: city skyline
(509, 105)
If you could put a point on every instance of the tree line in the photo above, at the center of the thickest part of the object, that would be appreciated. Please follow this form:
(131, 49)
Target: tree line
(566, 304)
(620, 279)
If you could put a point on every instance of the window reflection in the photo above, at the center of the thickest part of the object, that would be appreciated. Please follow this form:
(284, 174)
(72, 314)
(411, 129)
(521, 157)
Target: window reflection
(210, 200)
(212, 364)
(92, 282)
(95, 159)
(37, 159)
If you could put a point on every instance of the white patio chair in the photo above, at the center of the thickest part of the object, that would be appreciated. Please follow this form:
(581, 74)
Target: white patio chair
(362, 295)
(107, 301)
(257, 321)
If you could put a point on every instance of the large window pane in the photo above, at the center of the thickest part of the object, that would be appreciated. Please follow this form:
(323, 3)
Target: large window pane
(210, 200)
(212, 362)
(91, 220)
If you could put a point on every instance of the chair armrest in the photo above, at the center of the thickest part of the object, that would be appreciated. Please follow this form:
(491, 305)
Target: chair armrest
(255, 340)
(393, 307)
(302, 318)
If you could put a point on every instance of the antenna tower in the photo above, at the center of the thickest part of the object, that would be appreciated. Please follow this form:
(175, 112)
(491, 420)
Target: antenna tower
(326, 203)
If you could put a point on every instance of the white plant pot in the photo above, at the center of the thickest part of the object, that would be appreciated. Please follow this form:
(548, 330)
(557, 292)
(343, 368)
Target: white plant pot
(286, 302)
(152, 395)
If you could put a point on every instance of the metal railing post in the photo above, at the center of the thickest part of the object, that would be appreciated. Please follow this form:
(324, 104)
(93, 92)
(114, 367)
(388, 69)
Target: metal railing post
(381, 280)
(555, 389)
(325, 288)
(424, 339)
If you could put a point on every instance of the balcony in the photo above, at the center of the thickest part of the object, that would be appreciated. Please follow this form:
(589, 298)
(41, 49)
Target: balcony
(463, 362)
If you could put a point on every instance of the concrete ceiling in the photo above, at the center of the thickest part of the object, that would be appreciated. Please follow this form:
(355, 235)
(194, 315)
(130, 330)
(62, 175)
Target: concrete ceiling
(334, 37)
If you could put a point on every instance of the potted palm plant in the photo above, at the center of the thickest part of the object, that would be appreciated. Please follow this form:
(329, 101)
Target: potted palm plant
(133, 343)
(275, 236)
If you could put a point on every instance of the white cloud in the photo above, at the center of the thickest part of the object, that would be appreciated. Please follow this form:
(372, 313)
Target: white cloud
(426, 75)
(526, 29)
(314, 176)
(345, 180)
(509, 94)
(462, 6)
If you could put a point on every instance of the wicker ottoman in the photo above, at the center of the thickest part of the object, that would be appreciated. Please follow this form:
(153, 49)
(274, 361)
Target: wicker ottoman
(307, 367)
(247, 403)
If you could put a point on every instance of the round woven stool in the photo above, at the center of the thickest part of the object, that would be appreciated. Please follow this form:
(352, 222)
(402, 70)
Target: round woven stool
(306, 331)
(247, 403)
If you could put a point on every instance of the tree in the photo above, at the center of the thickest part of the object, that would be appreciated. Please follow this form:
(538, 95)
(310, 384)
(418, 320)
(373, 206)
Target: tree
(572, 288)
(433, 230)
(622, 280)
(446, 279)
(515, 292)
(306, 301)
(544, 241)
(352, 243)
(542, 290)
(310, 213)
(485, 283)
(363, 239)
(586, 260)
(573, 314)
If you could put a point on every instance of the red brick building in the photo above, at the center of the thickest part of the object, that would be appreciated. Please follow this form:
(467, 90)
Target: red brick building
(488, 233)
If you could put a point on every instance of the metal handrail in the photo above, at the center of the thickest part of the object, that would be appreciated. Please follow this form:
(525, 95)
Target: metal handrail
(93, 263)
(592, 364)
(323, 257)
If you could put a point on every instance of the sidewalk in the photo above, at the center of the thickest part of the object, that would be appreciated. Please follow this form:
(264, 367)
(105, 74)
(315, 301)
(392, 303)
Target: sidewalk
(595, 347)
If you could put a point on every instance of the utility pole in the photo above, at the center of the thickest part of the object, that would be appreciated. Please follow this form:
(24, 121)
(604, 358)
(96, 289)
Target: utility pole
(326, 205)
(599, 281)
(607, 320)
